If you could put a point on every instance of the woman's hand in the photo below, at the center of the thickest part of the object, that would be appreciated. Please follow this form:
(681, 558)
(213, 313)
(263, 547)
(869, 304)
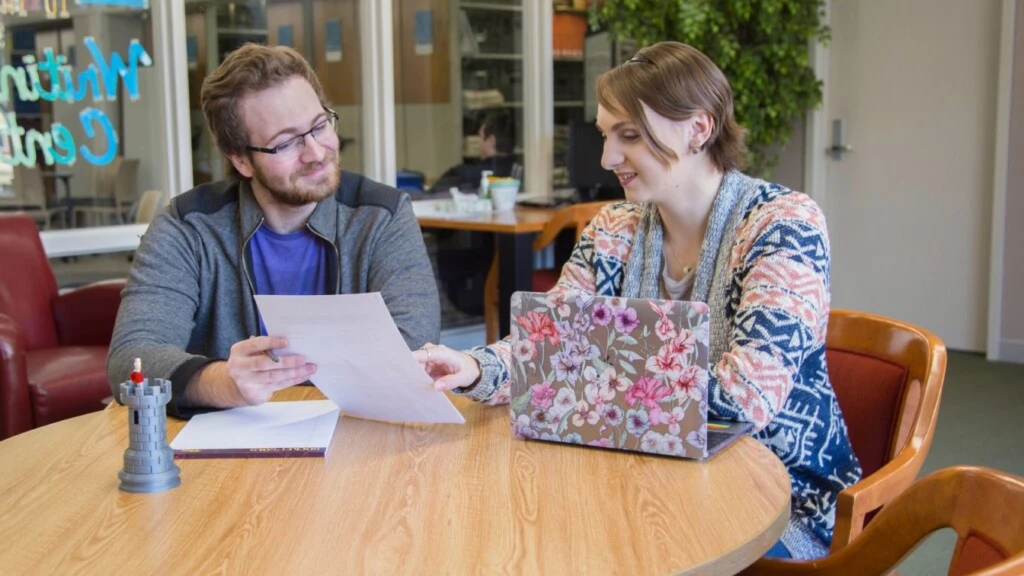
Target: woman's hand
(449, 368)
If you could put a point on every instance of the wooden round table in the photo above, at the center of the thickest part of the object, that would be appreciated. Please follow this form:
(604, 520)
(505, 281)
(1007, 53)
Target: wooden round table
(387, 499)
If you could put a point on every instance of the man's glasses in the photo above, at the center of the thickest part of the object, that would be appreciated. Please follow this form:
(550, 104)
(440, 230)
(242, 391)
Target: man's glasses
(325, 133)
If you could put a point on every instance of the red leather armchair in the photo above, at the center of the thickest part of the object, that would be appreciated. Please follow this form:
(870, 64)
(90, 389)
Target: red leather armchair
(53, 348)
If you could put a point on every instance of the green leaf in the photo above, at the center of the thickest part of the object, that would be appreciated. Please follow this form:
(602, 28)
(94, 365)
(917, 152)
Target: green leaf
(626, 339)
(564, 422)
(760, 45)
(520, 403)
(627, 367)
(630, 355)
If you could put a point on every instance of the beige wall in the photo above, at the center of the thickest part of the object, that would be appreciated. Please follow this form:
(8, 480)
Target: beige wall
(423, 138)
(1012, 345)
(790, 170)
(350, 125)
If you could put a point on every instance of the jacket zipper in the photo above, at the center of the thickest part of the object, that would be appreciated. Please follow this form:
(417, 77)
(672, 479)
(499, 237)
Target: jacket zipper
(337, 258)
(245, 271)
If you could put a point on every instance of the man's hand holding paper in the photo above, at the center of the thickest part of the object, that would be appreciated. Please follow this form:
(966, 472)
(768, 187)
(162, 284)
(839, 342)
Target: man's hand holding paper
(362, 363)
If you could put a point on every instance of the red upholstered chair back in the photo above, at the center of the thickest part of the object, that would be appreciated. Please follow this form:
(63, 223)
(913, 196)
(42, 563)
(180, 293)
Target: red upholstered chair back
(887, 376)
(27, 284)
(984, 507)
(870, 392)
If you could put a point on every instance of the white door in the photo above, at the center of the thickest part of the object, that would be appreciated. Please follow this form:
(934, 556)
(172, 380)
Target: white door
(909, 208)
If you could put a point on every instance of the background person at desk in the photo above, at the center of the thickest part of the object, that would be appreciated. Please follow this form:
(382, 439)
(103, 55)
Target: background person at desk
(696, 228)
(497, 147)
(463, 257)
(287, 222)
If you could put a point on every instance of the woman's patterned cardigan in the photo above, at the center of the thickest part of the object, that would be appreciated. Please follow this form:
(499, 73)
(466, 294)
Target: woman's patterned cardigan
(766, 280)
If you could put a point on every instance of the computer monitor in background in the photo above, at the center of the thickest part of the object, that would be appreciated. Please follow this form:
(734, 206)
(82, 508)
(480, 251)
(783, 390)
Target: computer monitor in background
(591, 181)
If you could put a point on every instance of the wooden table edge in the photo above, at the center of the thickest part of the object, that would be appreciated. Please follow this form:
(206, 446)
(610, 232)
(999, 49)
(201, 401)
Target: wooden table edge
(738, 559)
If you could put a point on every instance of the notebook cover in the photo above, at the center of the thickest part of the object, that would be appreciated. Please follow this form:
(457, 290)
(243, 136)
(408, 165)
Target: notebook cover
(629, 374)
(212, 453)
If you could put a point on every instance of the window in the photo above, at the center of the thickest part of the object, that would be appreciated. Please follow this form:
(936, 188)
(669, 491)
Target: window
(457, 66)
(82, 100)
(325, 32)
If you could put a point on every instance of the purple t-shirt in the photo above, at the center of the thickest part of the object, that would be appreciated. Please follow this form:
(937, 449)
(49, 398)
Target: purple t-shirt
(293, 264)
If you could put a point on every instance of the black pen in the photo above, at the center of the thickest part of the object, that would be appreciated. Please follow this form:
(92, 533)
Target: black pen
(270, 353)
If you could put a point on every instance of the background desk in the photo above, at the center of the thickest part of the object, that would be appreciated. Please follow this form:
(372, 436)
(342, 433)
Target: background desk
(387, 499)
(514, 231)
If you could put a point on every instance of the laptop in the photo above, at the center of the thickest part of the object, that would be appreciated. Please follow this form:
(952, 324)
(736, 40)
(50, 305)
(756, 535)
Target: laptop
(617, 373)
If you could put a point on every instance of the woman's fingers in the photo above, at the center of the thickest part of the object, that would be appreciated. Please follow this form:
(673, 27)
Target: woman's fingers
(449, 368)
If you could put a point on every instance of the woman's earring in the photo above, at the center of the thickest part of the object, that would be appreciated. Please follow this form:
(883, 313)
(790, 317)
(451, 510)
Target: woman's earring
(694, 149)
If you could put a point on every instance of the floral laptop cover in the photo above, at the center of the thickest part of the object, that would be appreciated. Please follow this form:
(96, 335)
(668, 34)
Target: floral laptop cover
(627, 374)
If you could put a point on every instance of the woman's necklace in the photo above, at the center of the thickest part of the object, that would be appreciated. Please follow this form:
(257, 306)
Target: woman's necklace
(672, 258)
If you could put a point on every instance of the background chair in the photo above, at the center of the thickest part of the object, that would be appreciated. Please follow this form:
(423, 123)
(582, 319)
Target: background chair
(985, 508)
(115, 189)
(53, 348)
(29, 196)
(149, 204)
(576, 217)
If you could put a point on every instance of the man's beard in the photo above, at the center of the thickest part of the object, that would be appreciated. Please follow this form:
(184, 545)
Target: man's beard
(286, 190)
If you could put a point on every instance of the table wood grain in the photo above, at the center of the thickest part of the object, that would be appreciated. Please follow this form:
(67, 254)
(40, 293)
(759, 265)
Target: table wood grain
(388, 498)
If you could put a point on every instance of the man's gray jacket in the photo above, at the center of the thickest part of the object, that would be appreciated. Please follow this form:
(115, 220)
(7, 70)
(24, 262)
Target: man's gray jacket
(189, 295)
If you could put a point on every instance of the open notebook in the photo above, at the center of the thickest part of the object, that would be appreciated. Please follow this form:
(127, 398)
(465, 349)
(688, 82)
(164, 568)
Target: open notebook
(271, 430)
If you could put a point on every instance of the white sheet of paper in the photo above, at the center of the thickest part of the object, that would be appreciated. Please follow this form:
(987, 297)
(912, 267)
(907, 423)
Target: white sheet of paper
(306, 424)
(363, 364)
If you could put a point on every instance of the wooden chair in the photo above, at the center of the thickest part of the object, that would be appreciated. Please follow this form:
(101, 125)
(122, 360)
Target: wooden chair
(985, 508)
(577, 217)
(887, 376)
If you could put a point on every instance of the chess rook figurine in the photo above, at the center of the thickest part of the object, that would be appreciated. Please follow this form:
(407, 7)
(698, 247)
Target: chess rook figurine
(148, 461)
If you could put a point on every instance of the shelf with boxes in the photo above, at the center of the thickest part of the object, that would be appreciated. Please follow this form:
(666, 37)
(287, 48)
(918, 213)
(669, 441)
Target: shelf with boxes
(568, 29)
(489, 68)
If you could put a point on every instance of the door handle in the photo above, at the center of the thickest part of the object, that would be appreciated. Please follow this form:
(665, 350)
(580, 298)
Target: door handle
(838, 148)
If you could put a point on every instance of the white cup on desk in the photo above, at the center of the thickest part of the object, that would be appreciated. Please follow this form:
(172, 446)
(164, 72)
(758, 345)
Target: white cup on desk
(503, 194)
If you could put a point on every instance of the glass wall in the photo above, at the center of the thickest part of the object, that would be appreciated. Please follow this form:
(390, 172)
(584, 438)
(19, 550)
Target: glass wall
(568, 30)
(457, 65)
(78, 93)
(325, 32)
(87, 151)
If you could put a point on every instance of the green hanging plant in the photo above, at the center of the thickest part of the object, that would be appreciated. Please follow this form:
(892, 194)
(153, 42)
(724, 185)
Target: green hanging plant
(760, 45)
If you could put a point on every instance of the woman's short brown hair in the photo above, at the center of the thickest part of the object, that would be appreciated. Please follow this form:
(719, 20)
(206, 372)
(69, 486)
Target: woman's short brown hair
(677, 81)
(251, 68)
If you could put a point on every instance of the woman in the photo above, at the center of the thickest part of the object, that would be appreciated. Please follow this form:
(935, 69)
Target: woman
(696, 228)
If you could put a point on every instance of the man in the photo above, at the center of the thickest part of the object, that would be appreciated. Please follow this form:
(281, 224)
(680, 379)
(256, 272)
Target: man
(497, 144)
(289, 221)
